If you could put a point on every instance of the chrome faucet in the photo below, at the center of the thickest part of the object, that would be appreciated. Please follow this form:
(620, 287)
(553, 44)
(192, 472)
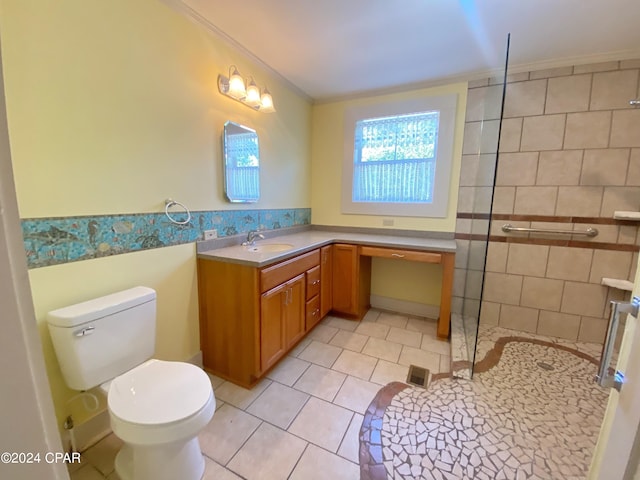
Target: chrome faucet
(251, 237)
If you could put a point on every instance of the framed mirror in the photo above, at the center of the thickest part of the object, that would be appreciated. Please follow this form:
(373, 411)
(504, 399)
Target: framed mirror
(241, 163)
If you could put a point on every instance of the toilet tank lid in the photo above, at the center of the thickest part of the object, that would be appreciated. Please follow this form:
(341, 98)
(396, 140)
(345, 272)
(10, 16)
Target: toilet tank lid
(84, 312)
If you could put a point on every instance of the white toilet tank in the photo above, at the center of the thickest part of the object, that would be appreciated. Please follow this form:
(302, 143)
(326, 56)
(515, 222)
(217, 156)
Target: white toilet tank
(97, 340)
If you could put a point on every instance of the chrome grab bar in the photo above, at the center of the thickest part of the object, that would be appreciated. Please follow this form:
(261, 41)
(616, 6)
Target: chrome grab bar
(589, 232)
(604, 378)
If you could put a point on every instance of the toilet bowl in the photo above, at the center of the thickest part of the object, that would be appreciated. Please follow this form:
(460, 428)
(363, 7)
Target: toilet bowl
(157, 409)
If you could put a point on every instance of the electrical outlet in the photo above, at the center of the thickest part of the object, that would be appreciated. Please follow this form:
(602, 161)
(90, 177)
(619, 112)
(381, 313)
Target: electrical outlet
(387, 222)
(210, 234)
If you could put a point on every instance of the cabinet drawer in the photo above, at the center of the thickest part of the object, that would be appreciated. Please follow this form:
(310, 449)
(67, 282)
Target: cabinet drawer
(398, 253)
(276, 274)
(313, 282)
(313, 312)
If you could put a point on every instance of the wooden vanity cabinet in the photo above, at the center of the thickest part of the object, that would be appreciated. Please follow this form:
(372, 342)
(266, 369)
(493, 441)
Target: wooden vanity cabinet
(251, 317)
(351, 281)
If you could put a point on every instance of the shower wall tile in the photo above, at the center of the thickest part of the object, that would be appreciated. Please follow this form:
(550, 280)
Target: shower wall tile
(517, 77)
(633, 175)
(567, 263)
(626, 64)
(518, 169)
(519, 318)
(544, 132)
(596, 67)
(503, 199)
(592, 330)
(559, 168)
(620, 198)
(613, 90)
(627, 234)
(527, 259)
(569, 158)
(525, 98)
(502, 288)
(481, 82)
(611, 264)
(568, 94)
(579, 201)
(484, 103)
(497, 253)
(489, 136)
(625, 127)
(605, 166)
(510, 135)
(560, 325)
(584, 299)
(462, 253)
(535, 200)
(469, 170)
(542, 293)
(465, 198)
(477, 254)
(587, 130)
(551, 73)
(490, 314)
(486, 169)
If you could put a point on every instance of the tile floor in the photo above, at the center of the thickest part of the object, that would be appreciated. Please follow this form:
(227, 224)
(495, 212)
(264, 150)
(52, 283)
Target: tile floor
(303, 420)
(517, 419)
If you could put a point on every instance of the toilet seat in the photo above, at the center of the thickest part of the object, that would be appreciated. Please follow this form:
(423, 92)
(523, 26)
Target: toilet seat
(158, 393)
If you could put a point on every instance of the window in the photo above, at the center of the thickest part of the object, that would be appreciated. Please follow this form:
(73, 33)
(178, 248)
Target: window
(399, 158)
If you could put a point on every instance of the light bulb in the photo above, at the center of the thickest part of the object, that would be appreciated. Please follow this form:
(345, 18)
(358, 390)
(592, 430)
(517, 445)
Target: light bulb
(266, 101)
(253, 95)
(236, 85)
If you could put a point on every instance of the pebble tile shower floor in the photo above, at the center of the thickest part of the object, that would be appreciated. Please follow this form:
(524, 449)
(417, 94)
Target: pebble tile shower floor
(304, 421)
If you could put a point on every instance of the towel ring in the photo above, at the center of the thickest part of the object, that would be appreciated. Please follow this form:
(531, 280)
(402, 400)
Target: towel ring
(170, 203)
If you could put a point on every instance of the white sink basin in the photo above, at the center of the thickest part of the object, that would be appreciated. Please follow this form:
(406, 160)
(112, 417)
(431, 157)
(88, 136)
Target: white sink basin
(270, 247)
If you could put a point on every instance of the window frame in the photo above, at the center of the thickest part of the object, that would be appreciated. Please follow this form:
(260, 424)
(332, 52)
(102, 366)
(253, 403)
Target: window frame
(446, 105)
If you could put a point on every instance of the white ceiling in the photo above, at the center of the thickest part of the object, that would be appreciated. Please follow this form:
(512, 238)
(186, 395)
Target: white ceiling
(334, 48)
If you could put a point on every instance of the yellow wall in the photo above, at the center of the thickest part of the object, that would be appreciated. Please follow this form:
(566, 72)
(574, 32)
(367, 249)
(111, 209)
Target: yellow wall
(112, 108)
(401, 280)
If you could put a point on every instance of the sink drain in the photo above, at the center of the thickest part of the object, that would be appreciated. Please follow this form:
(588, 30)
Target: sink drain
(545, 366)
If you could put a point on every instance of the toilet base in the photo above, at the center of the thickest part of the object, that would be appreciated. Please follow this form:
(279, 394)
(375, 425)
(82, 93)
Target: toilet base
(178, 460)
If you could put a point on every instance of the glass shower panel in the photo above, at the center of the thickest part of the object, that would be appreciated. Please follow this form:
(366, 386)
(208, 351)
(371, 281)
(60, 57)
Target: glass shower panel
(480, 156)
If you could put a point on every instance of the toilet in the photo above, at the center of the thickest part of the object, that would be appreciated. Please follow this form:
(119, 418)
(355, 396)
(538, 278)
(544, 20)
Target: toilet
(157, 408)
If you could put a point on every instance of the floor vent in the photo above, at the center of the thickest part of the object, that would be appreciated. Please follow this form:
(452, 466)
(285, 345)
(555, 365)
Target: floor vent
(418, 376)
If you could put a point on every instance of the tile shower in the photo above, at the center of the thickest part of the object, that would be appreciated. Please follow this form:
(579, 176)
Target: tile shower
(569, 156)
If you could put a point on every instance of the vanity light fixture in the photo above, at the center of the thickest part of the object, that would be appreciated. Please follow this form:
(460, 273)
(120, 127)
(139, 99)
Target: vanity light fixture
(250, 95)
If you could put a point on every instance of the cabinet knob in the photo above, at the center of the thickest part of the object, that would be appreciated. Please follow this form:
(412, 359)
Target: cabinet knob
(316, 282)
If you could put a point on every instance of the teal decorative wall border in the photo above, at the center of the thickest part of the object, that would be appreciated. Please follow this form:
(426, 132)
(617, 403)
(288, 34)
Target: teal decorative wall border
(53, 241)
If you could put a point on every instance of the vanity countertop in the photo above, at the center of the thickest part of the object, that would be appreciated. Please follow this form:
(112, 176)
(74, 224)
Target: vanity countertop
(311, 239)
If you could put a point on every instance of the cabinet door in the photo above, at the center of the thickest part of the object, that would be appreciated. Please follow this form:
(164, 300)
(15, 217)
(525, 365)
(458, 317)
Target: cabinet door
(272, 333)
(345, 276)
(294, 312)
(326, 264)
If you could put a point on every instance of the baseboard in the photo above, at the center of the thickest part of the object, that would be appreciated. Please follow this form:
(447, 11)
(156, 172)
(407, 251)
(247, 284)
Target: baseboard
(405, 306)
(196, 359)
(89, 432)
